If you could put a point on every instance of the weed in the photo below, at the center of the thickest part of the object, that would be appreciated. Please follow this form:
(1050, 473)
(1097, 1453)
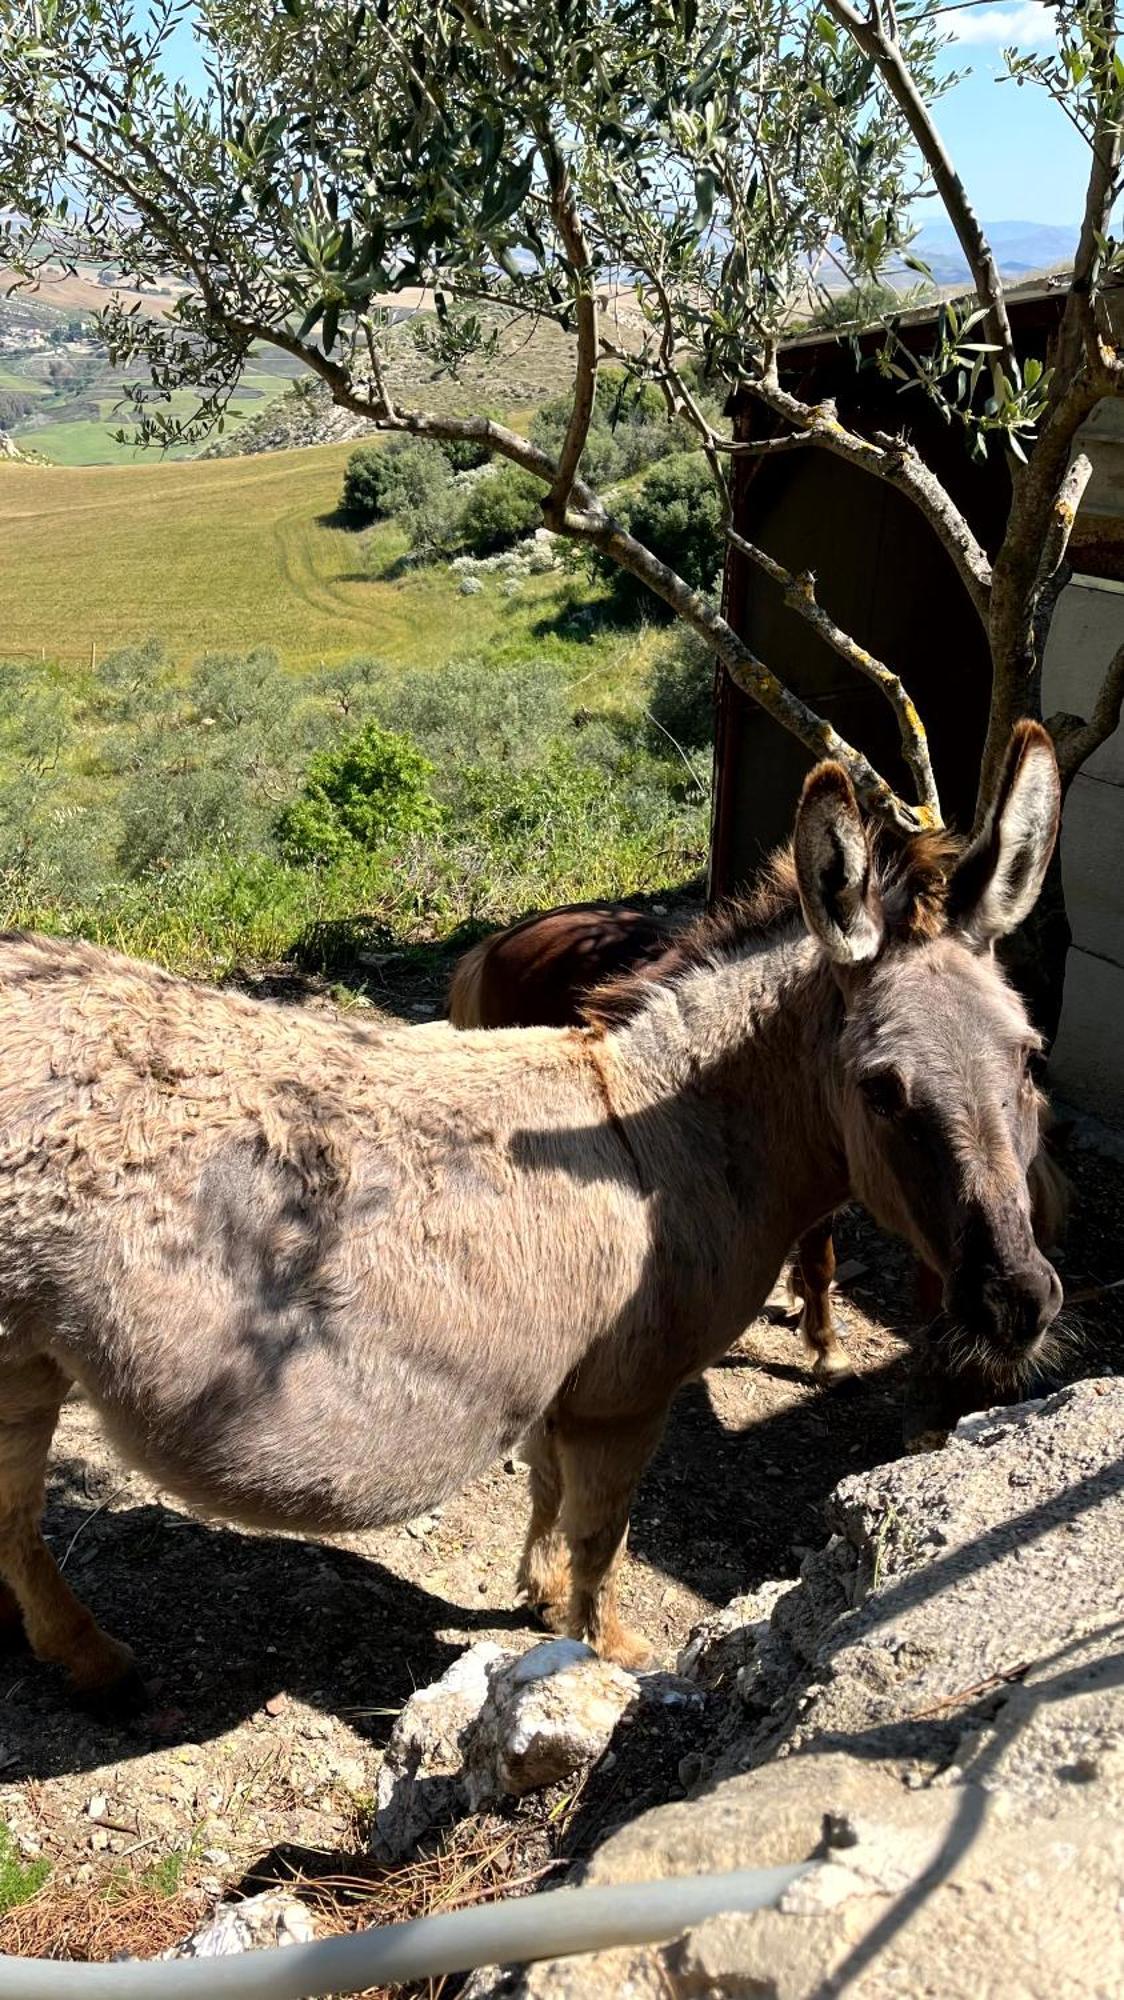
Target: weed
(19, 1880)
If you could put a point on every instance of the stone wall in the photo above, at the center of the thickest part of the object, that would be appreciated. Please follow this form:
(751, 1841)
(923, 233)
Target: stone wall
(933, 1718)
(1088, 1064)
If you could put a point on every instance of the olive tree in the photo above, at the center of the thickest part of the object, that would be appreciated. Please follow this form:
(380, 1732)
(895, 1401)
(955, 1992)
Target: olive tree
(670, 181)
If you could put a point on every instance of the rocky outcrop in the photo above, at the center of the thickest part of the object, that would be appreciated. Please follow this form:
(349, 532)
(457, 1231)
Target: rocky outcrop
(18, 455)
(260, 1923)
(934, 1718)
(304, 415)
(500, 1724)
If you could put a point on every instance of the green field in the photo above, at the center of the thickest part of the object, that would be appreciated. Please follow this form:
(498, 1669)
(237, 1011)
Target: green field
(88, 440)
(236, 553)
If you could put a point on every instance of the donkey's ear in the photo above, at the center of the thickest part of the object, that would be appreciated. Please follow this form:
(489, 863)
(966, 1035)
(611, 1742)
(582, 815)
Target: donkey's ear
(997, 881)
(841, 905)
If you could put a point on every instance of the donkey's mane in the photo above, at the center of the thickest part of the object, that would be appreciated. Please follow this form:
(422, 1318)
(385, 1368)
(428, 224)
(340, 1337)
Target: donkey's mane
(911, 876)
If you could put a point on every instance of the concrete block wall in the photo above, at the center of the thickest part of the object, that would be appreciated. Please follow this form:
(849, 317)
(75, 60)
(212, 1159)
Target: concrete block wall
(1087, 1068)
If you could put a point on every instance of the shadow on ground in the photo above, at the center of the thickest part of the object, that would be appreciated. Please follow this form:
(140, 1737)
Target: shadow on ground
(222, 1620)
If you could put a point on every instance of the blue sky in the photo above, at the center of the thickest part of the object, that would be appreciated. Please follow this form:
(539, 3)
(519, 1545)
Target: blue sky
(1018, 153)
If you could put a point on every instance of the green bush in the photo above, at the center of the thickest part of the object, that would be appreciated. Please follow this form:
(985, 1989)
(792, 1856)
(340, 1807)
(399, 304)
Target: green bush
(473, 712)
(432, 525)
(676, 513)
(14, 407)
(371, 789)
(680, 695)
(465, 454)
(501, 510)
(132, 682)
(170, 815)
(380, 480)
(630, 428)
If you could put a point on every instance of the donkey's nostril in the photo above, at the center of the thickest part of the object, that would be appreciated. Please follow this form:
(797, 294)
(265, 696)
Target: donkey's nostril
(1052, 1304)
(1036, 1304)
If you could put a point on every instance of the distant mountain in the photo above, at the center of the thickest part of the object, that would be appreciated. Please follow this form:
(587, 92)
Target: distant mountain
(1021, 248)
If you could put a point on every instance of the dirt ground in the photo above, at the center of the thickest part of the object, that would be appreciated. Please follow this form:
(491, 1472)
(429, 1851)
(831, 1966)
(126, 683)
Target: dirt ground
(276, 1666)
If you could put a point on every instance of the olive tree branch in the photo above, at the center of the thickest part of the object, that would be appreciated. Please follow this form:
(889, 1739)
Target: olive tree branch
(895, 461)
(1074, 739)
(1086, 367)
(568, 224)
(799, 595)
(879, 42)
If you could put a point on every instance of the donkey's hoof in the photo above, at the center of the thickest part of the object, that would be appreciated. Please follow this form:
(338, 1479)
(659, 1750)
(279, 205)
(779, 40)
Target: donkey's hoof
(553, 1614)
(105, 1673)
(832, 1366)
(121, 1700)
(626, 1648)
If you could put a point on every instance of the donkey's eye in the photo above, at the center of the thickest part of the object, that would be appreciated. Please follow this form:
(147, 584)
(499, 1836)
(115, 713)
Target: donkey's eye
(883, 1093)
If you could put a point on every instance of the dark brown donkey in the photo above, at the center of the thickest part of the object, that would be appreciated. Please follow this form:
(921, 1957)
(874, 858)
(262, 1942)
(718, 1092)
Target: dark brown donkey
(316, 1274)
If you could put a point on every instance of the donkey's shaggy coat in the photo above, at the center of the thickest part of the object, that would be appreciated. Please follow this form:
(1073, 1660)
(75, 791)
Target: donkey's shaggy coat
(316, 1275)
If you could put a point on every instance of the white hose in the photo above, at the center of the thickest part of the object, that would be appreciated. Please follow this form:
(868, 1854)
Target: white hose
(558, 1924)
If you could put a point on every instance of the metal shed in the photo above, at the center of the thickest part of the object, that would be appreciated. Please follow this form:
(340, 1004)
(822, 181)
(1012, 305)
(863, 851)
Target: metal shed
(883, 576)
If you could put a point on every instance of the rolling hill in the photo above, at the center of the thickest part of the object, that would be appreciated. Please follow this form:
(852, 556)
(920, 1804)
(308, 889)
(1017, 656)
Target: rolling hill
(243, 552)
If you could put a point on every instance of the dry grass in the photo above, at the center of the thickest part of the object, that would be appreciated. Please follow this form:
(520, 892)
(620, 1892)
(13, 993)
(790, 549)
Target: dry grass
(92, 1923)
(477, 1862)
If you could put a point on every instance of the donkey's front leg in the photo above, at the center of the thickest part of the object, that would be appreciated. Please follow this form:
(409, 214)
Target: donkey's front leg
(58, 1627)
(601, 1467)
(813, 1269)
(544, 1571)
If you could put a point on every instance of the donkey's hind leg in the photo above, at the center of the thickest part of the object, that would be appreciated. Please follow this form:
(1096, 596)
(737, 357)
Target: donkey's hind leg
(544, 1571)
(601, 1466)
(813, 1269)
(58, 1627)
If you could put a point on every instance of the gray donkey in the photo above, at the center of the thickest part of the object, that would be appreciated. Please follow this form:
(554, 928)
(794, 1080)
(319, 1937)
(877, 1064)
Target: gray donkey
(316, 1275)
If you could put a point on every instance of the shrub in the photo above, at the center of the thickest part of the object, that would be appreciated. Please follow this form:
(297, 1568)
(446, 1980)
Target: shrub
(630, 428)
(380, 480)
(14, 407)
(432, 525)
(465, 454)
(680, 700)
(676, 513)
(521, 810)
(173, 815)
(472, 712)
(132, 682)
(235, 692)
(371, 789)
(859, 305)
(501, 510)
(168, 816)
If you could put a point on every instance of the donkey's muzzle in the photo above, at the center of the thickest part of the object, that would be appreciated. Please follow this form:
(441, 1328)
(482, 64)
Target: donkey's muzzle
(1008, 1312)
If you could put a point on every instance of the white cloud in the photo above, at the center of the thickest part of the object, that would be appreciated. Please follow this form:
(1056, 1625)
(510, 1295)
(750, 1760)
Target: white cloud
(1024, 25)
